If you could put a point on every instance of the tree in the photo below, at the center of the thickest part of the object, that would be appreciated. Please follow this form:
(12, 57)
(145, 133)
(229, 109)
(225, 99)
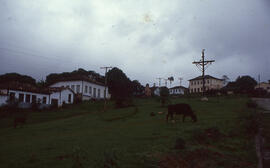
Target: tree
(171, 79)
(74, 75)
(137, 88)
(164, 95)
(18, 78)
(41, 84)
(226, 79)
(120, 86)
(245, 84)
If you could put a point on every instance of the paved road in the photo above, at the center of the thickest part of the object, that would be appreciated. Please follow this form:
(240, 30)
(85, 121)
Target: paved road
(265, 153)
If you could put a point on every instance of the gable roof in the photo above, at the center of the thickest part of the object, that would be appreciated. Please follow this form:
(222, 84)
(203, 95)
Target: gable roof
(80, 79)
(205, 77)
(59, 89)
(30, 88)
(23, 87)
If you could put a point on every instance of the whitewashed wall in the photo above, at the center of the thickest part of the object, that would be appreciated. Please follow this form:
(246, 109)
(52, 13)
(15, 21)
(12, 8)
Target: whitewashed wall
(3, 99)
(177, 91)
(62, 97)
(80, 87)
(38, 95)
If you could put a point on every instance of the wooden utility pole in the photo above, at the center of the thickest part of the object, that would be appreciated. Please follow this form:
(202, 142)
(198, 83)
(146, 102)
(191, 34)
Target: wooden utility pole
(201, 65)
(165, 80)
(259, 79)
(159, 81)
(105, 94)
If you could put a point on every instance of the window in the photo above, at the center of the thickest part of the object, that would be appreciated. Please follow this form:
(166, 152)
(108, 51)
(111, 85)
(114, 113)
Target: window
(198, 82)
(98, 93)
(27, 98)
(73, 88)
(201, 82)
(207, 81)
(69, 98)
(78, 89)
(11, 96)
(198, 89)
(55, 102)
(34, 98)
(21, 97)
(90, 90)
(44, 100)
(86, 89)
(94, 94)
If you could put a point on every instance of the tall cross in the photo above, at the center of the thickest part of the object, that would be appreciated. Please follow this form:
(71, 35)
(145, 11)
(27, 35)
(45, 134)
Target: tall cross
(201, 65)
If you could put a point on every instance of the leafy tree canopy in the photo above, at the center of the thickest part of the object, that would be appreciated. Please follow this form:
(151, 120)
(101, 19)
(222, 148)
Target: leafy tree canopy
(137, 88)
(244, 84)
(74, 75)
(120, 86)
(15, 77)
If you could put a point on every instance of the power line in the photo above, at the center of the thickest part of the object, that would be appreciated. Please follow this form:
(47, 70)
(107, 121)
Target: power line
(105, 97)
(180, 79)
(165, 80)
(159, 81)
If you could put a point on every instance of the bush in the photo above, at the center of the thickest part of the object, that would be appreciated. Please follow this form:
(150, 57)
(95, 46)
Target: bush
(180, 144)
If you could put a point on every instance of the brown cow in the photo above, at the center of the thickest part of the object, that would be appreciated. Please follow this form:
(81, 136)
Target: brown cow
(182, 108)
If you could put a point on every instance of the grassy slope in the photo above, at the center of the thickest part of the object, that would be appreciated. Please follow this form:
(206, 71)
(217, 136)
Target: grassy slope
(89, 135)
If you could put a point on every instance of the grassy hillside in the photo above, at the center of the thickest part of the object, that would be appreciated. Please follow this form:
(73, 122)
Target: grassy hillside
(84, 136)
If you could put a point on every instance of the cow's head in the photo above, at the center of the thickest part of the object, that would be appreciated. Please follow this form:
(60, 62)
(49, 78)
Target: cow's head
(194, 118)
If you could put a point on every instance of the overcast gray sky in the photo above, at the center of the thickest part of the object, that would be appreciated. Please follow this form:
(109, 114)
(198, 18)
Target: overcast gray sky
(145, 38)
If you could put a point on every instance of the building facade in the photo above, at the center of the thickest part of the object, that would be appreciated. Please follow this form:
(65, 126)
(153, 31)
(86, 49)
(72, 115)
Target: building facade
(88, 90)
(177, 90)
(55, 96)
(211, 83)
(264, 86)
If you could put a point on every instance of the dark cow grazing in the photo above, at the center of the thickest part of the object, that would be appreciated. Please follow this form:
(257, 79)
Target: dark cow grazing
(183, 109)
(19, 120)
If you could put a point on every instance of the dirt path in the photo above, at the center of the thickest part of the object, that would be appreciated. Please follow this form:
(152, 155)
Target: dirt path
(263, 152)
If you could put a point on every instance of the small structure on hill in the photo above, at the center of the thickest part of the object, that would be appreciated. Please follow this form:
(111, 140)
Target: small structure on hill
(178, 90)
(264, 86)
(211, 83)
(147, 90)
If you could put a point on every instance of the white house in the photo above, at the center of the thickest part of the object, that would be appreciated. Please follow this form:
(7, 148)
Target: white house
(177, 90)
(88, 89)
(3, 98)
(59, 96)
(211, 83)
(28, 95)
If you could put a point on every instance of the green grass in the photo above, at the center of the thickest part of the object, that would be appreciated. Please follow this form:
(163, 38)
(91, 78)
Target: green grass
(62, 138)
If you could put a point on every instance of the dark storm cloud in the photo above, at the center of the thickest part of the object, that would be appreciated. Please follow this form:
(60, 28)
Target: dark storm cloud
(147, 39)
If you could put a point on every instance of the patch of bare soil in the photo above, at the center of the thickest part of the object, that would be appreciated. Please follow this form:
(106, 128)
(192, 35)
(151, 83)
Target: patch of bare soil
(208, 136)
(201, 158)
